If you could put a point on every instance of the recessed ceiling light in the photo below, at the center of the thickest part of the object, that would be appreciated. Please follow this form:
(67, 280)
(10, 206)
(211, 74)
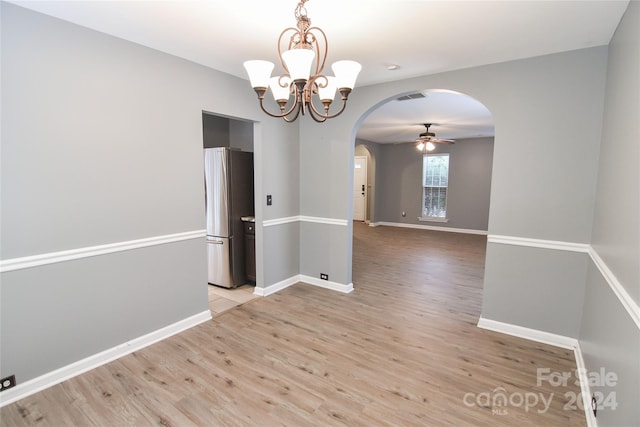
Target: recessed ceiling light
(392, 67)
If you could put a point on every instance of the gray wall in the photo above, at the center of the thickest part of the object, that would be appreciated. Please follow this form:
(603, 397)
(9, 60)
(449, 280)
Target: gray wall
(282, 242)
(469, 183)
(215, 131)
(102, 143)
(220, 131)
(241, 135)
(616, 229)
(525, 178)
(608, 336)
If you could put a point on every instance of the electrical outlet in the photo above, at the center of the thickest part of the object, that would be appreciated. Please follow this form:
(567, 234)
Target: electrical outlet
(324, 276)
(7, 382)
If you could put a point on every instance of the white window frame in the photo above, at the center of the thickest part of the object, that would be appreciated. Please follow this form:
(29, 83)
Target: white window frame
(422, 187)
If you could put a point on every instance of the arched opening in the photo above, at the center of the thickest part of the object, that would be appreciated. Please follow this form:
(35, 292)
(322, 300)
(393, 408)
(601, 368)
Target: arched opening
(406, 240)
(460, 127)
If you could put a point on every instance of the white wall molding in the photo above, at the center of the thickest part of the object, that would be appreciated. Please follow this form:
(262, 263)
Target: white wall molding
(334, 286)
(304, 218)
(551, 339)
(527, 333)
(72, 254)
(627, 302)
(319, 220)
(66, 372)
(429, 227)
(625, 299)
(538, 243)
(278, 221)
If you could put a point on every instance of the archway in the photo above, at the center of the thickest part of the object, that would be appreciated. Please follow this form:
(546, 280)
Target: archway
(399, 187)
(390, 127)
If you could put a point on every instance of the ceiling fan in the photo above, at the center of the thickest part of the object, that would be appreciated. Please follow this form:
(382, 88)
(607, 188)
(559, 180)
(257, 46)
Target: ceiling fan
(426, 140)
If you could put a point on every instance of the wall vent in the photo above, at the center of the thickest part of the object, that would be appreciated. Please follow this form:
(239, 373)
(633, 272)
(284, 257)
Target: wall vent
(417, 95)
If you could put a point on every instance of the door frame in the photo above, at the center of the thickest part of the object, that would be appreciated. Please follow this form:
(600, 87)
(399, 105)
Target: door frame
(366, 186)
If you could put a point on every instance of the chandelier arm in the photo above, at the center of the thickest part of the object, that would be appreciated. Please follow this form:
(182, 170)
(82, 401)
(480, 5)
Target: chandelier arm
(282, 35)
(344, 105)
(313, 111)
(278, 116)
(293, 119)
(320, 65)
(315, 115)
(296, 105)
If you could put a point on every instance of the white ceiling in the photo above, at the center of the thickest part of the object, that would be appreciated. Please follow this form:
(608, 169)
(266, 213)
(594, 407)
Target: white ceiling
(420, 36)
(452, 115)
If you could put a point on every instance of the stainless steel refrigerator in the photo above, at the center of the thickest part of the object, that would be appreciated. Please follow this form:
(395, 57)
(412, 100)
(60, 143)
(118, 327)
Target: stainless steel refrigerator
(229, 196)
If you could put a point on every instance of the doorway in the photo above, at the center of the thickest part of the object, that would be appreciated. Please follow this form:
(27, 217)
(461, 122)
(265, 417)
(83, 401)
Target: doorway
(391, 131)
(360, 188)
(238, 135)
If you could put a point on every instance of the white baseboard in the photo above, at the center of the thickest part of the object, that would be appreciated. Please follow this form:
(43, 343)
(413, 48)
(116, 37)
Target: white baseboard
(529, 334)
(271, 289)
(334, 286)
(429, 227)
(585, 390)
(81, 366)
(551, 339)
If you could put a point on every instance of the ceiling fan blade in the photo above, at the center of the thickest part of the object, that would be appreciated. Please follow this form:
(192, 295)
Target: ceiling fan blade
(443, 141)
(413, 141)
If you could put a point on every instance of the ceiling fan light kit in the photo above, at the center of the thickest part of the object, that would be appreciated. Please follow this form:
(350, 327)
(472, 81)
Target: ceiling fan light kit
(295, 90)
(427, 140)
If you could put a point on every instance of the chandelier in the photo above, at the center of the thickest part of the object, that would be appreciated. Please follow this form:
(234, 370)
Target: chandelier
(298, 90)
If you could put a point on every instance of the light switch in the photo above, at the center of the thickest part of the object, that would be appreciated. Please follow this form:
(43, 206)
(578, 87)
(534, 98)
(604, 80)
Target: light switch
(269, 200)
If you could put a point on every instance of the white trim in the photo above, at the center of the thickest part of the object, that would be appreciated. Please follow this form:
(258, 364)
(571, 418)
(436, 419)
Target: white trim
(72, 254)
(551, 339)
(303, 218)
(627, 302)
(585, 390)
(625, 299)
(271, 289)
(319, 220)
(527, 333)
(430, 227)
(334, 286)
(432, 219)
(538, 243)
(81, 366)
(278, 221)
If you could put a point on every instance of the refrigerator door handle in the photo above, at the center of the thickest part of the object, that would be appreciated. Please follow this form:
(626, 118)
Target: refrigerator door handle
(216, 242)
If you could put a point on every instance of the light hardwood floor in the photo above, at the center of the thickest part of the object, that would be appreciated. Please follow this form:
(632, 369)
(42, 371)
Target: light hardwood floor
(402, 350)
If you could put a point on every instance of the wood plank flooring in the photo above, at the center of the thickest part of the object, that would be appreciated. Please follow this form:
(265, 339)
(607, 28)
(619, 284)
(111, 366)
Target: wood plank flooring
(402, 350)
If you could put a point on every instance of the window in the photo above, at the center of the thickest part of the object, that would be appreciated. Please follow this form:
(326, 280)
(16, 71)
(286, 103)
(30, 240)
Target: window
(435, 180)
